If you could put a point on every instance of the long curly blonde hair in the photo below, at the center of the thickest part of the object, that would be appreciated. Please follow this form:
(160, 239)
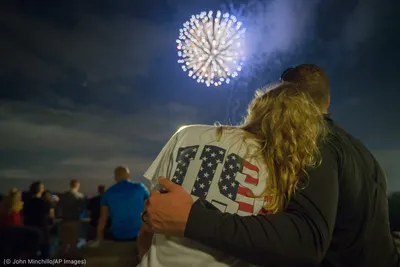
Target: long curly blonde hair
(288, 125)
(13, 202)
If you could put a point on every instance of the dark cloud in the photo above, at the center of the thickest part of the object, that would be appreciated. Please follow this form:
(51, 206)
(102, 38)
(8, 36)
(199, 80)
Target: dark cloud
(83, 144)
(97, 48)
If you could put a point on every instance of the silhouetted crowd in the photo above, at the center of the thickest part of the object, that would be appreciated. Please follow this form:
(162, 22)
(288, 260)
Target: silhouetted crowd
(37, 224)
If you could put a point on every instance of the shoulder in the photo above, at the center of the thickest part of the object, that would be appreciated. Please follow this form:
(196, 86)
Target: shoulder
(330, 153)
(346, 145)
(135, 186)
(194, 128)
(196, 133)
(111, 189)
(141, 186)
(115, 188)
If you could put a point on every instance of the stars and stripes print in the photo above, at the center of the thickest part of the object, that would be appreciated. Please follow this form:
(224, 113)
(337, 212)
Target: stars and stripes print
(232, 189)
(235, 169)
(211, 157)
(185, 155)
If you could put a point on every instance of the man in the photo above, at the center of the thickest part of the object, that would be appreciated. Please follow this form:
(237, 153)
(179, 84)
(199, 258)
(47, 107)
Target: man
(71, 205)
(123, 203)
(37, 214)
(93, 212)
(339, 219)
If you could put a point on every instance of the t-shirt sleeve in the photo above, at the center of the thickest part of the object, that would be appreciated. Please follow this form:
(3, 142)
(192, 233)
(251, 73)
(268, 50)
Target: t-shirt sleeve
(146, 192)
(162, 165)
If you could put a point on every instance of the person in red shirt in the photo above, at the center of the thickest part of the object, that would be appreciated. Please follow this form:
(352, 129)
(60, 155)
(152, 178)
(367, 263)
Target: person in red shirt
(11, 208)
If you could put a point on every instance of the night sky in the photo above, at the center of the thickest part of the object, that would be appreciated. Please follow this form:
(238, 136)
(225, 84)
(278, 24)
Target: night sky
(89, 85)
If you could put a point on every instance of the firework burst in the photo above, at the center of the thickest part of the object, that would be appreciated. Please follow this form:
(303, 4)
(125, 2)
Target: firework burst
(210, 49)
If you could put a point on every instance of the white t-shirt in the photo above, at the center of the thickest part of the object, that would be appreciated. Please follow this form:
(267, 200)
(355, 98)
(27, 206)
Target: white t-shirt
(221, 170)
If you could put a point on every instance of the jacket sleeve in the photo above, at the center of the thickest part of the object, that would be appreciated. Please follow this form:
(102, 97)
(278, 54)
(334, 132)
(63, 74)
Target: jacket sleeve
(299, 236)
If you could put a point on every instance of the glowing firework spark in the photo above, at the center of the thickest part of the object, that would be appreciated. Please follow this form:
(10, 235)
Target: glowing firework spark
(210, 48)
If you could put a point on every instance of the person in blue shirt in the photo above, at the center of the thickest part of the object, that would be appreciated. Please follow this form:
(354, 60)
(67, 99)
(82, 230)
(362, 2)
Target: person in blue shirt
(123, 203)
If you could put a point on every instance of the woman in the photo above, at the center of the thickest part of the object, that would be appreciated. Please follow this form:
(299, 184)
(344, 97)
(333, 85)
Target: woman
(11, 209)
(250, 169)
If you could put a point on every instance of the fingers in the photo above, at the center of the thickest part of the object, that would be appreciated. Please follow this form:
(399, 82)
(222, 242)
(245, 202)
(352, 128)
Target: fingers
(144, 216)
(154, 193)
(167, 184)
(147, 225)
(147, 205)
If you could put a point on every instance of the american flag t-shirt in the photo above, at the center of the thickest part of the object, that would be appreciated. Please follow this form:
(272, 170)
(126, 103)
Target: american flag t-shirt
(217, 170)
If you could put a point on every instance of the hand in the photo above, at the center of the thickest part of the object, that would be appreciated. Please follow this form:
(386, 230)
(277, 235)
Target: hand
(167, 213)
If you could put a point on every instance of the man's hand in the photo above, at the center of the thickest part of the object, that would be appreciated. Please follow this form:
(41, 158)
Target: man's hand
(167, 213)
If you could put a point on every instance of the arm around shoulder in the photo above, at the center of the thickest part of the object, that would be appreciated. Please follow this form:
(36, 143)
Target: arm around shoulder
(299, 236)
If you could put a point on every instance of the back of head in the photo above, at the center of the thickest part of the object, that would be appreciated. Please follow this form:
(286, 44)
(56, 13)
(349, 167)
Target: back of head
(311, 79)
(74, 184)
(36, 188)
(101, 189)
(288, 125)
(121, 173)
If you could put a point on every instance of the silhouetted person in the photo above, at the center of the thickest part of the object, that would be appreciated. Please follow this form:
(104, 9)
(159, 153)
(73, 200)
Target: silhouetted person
(93, 212)
(26, 195)
(124, 203)
(70, 206)
(11, 209)
(37, 213)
